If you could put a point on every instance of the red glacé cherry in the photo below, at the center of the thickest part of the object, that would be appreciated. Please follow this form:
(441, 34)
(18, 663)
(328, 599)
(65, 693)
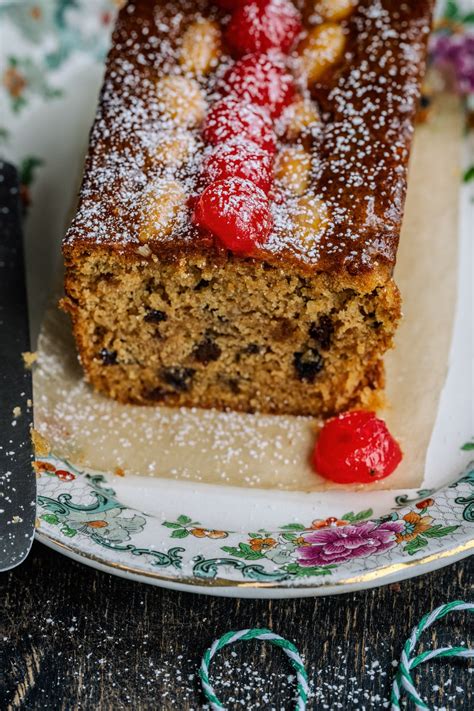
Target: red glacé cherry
(260, 25)
(263, 80)
(230, 118)
(236, 212)
(64, 475)
(356, 448)
(239, 159)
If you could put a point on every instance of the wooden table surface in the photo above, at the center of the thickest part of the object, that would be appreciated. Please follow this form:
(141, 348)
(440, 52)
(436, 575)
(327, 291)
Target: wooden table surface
(75, 638)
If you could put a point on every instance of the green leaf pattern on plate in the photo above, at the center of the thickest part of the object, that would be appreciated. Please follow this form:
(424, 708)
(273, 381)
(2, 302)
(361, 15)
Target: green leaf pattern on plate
(85, 506)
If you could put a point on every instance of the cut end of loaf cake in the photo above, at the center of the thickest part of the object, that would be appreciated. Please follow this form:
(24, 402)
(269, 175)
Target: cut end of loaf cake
(200, 274)
(235, 333)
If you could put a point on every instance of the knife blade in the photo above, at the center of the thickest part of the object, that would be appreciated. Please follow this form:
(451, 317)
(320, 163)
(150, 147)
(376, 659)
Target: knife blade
(17, 478)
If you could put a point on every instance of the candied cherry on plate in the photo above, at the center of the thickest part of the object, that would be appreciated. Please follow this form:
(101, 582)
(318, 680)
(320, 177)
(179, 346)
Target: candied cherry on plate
(239, 159)
(231, 118)
(235, 211)
(260, 25)
(356, 448)
(261, 79)
(64, 475)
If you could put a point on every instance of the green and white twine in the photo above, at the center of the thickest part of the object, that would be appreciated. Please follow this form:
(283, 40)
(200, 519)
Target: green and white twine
(403, 681)
(243, 636)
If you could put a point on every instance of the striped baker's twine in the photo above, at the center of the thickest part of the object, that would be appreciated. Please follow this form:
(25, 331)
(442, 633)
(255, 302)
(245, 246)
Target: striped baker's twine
(242, 636)
(403, 681)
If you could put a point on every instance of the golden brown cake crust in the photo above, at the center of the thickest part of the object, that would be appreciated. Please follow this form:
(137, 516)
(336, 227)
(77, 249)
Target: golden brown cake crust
(367, 109)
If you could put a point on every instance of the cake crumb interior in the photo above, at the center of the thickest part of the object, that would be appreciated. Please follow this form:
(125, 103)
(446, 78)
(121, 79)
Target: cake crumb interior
(242, 334)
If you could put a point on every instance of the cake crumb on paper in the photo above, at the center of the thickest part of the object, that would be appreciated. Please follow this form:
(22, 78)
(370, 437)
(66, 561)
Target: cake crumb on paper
(40, 444)
(29, 358)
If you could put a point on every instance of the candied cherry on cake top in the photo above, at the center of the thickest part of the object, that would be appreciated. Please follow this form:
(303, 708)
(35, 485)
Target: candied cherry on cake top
(261, 25)
(355, 448)
(231, 118)
(261, 79)
(240, 159)
(235, 211)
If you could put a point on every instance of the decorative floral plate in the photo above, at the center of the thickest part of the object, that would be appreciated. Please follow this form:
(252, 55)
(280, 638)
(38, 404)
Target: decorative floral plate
(204, 538)
(82, 515)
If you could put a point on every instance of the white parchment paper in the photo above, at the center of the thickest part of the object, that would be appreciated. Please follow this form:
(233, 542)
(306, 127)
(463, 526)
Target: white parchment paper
(269, 451)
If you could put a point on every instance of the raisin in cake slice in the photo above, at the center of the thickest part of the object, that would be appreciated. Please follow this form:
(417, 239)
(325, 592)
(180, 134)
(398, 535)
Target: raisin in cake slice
(241, 205)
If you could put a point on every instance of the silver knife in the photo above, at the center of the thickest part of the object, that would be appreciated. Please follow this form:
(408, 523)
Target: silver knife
(17, 478)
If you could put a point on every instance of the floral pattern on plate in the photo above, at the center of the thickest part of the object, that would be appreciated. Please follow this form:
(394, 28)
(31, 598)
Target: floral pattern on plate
(82, 505)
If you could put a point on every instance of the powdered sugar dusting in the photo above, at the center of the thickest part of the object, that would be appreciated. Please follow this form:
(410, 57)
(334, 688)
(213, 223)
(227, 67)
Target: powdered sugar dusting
(244, 677)
(234, 448)
(359, 157)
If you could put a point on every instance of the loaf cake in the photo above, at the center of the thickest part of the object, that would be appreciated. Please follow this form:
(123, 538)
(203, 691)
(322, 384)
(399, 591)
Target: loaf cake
(240, 211)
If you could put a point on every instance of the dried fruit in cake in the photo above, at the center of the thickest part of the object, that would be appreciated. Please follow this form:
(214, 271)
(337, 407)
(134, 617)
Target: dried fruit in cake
(333, 10)
(300, 116)
(263, 80)
(310, 217)
(178, 378)
(231, 118)
(322, 331)
(236, 212)
(293, 168)
(356, 448)
(240, 159)
(207, 351)
(201, 47)
(260, 25)
(108, 357)
(161, 210)
(321, 49)
(308, 364)
(174, 147)
(181, 100)
(155, 316)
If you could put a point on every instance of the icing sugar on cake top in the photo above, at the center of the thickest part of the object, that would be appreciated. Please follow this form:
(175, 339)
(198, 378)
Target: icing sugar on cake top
(349, 218)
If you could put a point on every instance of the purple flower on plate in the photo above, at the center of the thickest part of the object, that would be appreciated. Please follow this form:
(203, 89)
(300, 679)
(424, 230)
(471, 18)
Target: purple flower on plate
(454, 53)
(341, 543)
